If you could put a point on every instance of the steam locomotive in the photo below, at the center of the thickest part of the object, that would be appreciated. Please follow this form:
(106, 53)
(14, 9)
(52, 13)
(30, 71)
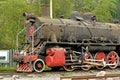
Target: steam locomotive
(69, 43)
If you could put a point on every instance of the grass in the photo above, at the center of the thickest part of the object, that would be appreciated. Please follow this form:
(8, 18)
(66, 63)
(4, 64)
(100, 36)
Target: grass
(8, 69)
(47, 68)
(69, 73)
(12, 69)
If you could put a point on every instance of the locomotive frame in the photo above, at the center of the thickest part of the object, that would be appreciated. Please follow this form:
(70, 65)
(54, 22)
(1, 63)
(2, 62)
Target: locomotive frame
(69, 44)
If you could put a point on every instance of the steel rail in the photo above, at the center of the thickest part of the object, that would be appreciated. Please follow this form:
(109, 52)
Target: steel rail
(90, 77)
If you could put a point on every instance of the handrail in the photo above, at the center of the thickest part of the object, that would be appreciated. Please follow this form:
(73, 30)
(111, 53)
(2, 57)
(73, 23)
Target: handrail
(33, 35)
(18, 36)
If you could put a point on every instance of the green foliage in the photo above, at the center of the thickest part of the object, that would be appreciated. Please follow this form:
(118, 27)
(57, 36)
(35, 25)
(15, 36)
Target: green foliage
(103, 8)
(69, 73)
(84, 6)
(45, 1)
(35, 8)
(62, 7)
(12, 21)
(116, 11)
(9, 25)
(89, 5)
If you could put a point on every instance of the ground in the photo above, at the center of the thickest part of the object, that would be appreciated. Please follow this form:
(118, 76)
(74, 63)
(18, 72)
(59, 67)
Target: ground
(48, 75)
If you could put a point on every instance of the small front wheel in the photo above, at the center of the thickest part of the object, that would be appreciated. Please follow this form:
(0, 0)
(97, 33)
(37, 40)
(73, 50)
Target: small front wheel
(39, 65)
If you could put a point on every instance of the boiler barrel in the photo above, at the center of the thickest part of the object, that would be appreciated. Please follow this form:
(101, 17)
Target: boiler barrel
(71, 30)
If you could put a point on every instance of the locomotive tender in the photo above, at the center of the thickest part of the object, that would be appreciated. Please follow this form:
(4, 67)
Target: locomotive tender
(69, 43)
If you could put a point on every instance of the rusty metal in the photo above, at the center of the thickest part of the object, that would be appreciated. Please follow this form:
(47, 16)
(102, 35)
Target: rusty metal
(91, 77)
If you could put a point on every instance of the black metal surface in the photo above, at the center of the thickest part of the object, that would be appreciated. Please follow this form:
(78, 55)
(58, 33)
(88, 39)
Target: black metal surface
(74, 31)
(37, 36)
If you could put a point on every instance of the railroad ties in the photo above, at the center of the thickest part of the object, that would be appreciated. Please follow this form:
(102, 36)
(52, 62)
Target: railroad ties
(93, 77)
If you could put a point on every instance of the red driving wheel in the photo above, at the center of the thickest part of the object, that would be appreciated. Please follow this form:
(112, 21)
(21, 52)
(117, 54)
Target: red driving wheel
(88, 57)
(100, 56)
(113, 59)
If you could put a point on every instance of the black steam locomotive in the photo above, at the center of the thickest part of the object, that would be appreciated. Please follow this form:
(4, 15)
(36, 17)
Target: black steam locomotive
(69, 43)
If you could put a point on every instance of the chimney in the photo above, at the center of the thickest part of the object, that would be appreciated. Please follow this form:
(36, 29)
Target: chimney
(45, 10)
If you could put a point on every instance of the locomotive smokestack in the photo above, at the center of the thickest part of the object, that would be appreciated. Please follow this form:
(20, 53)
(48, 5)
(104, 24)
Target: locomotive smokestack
(45, 11)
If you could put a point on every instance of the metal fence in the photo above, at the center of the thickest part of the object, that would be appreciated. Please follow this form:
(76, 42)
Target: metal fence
(6, 59)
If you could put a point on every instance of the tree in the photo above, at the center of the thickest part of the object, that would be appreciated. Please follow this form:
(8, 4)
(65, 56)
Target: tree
(12, 21)
(62, 7)
(116, 11)
(103, 8)
(84, 6)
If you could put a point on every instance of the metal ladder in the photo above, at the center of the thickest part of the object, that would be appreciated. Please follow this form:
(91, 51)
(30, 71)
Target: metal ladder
(40, 46)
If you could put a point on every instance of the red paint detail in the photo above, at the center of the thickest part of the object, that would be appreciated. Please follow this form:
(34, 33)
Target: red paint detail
(24, 67)
(50, 51)
(33, 57)
(56, 57)
(39, 65)
(31, 30)
(29, 58)
(100, 56)
(26, 59)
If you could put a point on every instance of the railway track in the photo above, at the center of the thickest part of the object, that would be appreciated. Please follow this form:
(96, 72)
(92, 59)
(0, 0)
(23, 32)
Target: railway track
(64, 75)
(93, 77)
